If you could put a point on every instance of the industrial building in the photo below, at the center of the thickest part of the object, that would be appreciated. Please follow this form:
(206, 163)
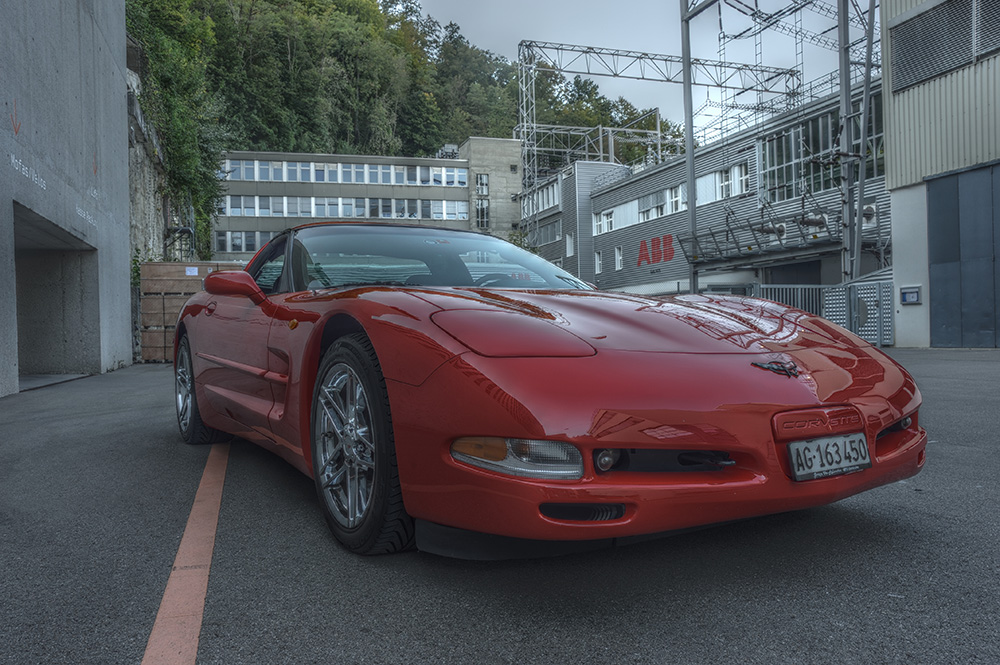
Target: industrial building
(768, 199)
(942, 114)
(466, 187)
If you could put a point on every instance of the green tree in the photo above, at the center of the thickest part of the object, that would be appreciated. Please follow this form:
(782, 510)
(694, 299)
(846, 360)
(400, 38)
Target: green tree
(175, 95)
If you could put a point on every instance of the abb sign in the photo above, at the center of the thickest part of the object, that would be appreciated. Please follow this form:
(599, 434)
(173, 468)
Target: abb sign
(657, 250)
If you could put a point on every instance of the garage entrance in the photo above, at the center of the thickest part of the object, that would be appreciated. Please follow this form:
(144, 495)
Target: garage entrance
(58, 317)
(963, 234)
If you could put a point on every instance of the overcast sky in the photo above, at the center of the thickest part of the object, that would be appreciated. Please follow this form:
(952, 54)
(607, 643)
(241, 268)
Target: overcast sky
(652, 26)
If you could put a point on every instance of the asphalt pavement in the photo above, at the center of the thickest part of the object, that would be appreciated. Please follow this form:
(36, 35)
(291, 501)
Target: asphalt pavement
(96, 487)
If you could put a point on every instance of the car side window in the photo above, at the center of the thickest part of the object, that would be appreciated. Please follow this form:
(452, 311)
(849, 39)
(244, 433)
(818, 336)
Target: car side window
(269, 266)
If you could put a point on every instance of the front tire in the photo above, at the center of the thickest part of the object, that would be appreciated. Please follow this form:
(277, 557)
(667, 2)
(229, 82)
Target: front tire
(193, 429)
(353, 453)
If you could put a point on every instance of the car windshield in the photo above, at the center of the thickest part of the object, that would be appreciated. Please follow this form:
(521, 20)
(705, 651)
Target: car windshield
(347, 255)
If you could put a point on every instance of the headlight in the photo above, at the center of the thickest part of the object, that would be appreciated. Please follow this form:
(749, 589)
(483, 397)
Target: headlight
(526, 458)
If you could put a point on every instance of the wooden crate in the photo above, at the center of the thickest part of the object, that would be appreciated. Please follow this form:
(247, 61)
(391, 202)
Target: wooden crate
(164, 288)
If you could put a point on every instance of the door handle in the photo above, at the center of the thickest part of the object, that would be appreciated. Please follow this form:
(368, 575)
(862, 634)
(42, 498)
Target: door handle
(211, 308)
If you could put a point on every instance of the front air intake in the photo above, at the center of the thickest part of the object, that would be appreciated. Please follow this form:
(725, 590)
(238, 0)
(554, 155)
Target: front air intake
(583, 512)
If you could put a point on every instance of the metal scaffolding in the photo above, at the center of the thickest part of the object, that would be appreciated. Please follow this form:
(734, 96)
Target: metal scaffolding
(536, 140)
(856, 60)
(778, 90)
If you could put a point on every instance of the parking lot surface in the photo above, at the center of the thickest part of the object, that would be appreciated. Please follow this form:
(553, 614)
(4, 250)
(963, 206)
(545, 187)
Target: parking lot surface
(96, 489)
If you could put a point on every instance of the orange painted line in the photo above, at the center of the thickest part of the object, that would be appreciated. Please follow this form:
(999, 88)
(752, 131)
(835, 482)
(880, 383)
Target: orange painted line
(174, 638)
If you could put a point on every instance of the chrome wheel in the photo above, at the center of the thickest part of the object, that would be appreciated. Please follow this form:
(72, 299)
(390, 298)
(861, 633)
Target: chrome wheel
(183, 385)
(345, 443)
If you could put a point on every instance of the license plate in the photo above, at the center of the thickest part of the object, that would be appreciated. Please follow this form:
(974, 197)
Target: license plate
(828, 456)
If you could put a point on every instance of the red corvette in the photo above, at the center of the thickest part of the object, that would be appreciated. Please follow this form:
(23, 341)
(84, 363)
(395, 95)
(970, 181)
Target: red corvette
(449, 390)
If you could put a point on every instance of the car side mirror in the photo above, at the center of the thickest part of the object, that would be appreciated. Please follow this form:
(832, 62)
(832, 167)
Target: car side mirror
(234, 283)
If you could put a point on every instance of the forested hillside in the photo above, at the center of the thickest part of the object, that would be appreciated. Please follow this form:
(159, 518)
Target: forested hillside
(328, 76)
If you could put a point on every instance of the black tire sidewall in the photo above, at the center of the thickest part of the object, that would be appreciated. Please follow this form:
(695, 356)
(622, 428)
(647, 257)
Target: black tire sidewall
(184, 347)
(356, 352)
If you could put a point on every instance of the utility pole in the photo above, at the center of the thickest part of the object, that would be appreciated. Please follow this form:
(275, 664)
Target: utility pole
(849, 226)
(688, 12)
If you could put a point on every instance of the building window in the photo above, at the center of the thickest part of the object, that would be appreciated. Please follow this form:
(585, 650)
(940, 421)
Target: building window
(619, 258)
(277, 206)
(463, 177)
(483, 184)
(327, 206)
(483, 213)
(298, 171)
(463, 209)
(221, 241)
(241, 169)
(437, 175)
(652, 206)
(265, 206)
(740, 176)
(513, 168)
(437, 209)
(411, 175)
(598, 263)
(570, 245)
(723, 188)
(550, 232)
(780, 161)
(677, 198)
(707, 188)
(425, 175)
(425, 209)
(604, 222)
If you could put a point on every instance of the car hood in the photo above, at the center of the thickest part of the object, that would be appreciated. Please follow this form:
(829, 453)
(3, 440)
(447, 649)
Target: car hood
(678, 324)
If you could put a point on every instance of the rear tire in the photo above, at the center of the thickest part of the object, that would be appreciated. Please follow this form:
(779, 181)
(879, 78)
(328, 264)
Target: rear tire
(353, 452)
(193, 429)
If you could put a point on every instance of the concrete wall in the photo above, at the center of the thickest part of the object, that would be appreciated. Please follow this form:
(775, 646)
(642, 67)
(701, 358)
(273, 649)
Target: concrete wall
(64, 219)
(910, 267)
(501, 159)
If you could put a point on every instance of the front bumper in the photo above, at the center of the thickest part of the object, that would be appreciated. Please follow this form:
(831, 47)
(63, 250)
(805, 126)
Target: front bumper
(442, 492)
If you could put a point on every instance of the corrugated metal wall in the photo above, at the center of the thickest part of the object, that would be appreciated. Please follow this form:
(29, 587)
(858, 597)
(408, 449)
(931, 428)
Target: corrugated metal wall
(943, 124)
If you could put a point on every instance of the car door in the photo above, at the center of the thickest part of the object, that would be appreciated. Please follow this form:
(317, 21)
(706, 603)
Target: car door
(233, 347)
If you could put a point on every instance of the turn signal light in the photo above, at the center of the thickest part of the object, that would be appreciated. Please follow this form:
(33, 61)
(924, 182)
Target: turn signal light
(527, 458)
(491, 449)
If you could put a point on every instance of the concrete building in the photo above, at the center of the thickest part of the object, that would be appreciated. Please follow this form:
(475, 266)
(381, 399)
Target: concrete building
(942, 106)
(64, 202)
(467, 186)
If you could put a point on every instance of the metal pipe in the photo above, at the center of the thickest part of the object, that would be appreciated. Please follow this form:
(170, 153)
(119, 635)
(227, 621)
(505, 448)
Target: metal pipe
(863, 165)
(848, 222)
(689, 139)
